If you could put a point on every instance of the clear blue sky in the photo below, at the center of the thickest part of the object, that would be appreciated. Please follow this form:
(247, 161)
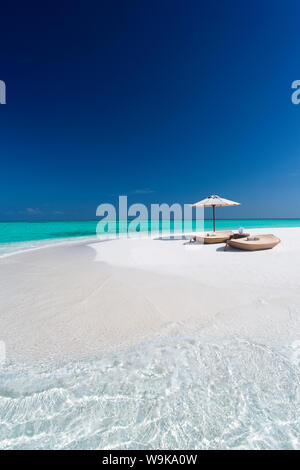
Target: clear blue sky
(163, 100)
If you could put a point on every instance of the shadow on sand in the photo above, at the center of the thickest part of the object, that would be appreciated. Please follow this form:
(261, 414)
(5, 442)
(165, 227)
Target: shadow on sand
(172, 238)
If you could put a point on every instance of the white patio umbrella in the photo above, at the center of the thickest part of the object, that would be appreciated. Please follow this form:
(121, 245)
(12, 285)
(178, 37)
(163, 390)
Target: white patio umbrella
(215, 201)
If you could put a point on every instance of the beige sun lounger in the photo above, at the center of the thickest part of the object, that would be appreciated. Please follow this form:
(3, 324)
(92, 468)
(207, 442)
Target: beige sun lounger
(256, 242)
(212, 237)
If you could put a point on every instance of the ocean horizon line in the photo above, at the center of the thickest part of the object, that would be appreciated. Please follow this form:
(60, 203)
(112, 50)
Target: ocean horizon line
(133, 218)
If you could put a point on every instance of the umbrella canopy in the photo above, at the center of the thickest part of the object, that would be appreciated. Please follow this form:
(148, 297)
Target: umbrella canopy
(215, 201)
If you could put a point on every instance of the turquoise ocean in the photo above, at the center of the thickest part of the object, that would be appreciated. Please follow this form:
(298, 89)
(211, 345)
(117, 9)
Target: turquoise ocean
(19, 236)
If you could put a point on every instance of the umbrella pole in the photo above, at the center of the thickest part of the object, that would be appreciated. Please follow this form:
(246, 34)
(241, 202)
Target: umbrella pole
(214, 217)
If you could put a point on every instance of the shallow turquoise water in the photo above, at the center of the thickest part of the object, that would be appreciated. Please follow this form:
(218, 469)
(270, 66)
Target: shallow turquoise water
(29, 231)
(19, 236)
(174, 393)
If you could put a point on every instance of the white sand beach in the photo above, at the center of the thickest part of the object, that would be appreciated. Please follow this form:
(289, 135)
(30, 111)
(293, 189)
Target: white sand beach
(83, 299)
(151, 344)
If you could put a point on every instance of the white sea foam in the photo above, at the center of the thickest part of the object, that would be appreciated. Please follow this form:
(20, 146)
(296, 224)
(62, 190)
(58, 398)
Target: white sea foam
(13, 248)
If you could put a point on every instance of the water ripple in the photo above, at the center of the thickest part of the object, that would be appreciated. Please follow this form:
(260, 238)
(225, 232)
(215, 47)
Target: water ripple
(167, 394)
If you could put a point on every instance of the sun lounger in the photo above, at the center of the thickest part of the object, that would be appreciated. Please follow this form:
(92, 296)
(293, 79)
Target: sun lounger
(212, 237)
(256, 242)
